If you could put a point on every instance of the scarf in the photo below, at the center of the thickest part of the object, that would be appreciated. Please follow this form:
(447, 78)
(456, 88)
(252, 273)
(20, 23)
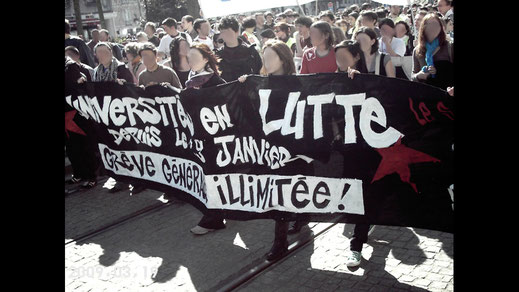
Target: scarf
(196, 80)
(430, 47)
(107, 74)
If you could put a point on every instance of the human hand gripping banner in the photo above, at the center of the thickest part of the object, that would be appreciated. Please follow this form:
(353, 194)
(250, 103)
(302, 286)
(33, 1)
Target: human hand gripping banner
(247, 150)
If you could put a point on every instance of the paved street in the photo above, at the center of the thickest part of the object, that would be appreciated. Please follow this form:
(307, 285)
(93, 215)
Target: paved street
(156, 252)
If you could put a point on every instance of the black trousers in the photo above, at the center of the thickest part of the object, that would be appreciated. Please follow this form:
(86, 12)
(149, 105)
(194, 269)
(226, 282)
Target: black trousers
(212, 222)
(360, 236)
(281, 232)
(81, 155)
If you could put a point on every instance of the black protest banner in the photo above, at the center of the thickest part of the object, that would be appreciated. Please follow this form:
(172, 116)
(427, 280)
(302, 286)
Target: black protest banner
(247, 150)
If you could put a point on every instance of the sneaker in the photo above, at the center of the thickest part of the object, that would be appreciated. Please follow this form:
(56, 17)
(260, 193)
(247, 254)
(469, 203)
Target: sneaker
(277, 251)
(89, 184)
(137, 189)
(73, 180)
(117, 187)
(295, 227)
(198, 230)
(353, 259)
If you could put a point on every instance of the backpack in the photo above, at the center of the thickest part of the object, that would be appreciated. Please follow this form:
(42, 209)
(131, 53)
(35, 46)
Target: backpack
(239, 66)
(180, 35)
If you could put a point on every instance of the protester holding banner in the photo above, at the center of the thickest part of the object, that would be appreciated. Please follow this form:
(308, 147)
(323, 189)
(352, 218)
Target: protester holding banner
(347, 55)
(370, 56)
(278, 60)
(155, 73)
(237, 58)
(78, 147)
(372, 60)
(321, 57)
(203, 67)
(318, 59)
(432, 57)
(204, 73)
(109, 68)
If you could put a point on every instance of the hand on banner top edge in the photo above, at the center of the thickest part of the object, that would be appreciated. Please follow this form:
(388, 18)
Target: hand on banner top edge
(242, 78)
(422, 75)
(450, 91)
(120, 81)
(351, 72)
(432, 70)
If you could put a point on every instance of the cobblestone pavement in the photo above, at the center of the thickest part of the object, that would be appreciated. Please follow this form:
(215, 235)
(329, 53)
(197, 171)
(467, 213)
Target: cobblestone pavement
(394, 259)
(156, 252)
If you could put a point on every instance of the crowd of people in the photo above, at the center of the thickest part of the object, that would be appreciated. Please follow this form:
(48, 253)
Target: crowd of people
(199, 53)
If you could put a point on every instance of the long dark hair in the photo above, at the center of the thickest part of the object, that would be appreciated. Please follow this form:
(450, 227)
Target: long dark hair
(354, 48)
(212, 60)
(174, 49)
(407, 28)
(325, 28)
(285, 55)
(422, 39)
(372, 35)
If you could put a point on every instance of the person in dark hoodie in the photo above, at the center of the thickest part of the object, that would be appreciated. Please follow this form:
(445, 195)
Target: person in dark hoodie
(280, 61)
(204, 73)
(78, 146)
(85, 54)
(237, 58)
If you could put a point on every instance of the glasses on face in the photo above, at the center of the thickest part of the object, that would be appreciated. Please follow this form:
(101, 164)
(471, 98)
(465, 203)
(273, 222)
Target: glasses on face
(220, 41)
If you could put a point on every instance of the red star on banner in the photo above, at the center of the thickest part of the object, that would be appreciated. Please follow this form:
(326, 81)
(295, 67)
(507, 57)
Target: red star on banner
(397, 159)
(70, 125)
